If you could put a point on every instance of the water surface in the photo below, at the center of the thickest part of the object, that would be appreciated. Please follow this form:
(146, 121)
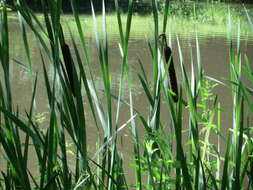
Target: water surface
(214, 57)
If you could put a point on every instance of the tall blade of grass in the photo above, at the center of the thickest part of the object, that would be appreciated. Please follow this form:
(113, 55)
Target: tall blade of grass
(180, 152)
(117, 169)
(176, 115)
(197, 161)
(24, 66)
(214, 183)
(21, 125)
(55, 11)
(128, 29)
(155, 20)
(81, 35)
(79, 183)
(50, 95)
(143, 71)
(233, 70)
(12, 146)
(151, 50)
(165, 15)
(84, 77)
(149, 150)
(95, 27)
(25, 153)
(193, 80)
(136, 144)
(52, 138)
(146, 89)
(28, 14)
(200, 69)
(38, 145)
(106, 143)
(105, 42)
(248, 166)
(249, 148)
(190, 99)
(116, 3)
(155, 112)
(106, 118)
(164, 71)
(81, 123)
(25, 41)
(52, 141)
(67, 183)
(21, 158)
(237, 173)
(224, 180)
(51, 182)
(5, 55)
(73, 131)
(107, 81)
(113, 162)
(55, 16)
(218, 141)
(124, 37)
(107, 173)
(75, 120)
(155, 49)
(101, 113)
(45, 8)
(15, 165)
(238, 39)
(155, 109)
(204, 181)
(28, 17)
(7, 182)
(114, 135)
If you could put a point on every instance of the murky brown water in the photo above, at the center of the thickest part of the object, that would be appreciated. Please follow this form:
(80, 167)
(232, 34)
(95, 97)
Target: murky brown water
(214, 55)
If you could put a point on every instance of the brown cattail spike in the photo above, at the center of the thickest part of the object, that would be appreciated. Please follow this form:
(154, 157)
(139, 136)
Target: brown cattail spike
(68, 62)
(169, 59)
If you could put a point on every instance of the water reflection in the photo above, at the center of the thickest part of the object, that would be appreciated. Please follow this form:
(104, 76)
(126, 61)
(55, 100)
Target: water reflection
(214, 57)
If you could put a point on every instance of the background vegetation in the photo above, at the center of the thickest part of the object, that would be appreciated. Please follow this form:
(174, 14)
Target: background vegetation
(179, 156)
(141, 6)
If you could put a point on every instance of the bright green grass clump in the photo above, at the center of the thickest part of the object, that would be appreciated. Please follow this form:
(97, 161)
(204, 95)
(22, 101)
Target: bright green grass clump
(180, 156)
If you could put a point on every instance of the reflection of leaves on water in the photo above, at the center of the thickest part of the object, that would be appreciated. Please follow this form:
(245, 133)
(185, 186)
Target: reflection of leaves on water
(69, 147)
(115, 86)
(41, 117)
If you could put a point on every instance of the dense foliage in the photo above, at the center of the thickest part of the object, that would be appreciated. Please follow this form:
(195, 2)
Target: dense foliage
(140, 6)
(179, 156)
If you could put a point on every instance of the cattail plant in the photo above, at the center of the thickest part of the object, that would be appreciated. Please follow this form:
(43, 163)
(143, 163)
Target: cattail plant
(169, 60)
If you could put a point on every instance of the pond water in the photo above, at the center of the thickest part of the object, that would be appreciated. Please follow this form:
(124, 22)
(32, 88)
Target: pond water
(214, 55)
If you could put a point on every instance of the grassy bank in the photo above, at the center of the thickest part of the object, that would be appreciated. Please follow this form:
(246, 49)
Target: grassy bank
(183, 20)
(178, 156)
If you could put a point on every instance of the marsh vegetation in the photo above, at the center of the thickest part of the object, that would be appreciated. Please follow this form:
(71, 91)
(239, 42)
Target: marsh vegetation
(172, 145)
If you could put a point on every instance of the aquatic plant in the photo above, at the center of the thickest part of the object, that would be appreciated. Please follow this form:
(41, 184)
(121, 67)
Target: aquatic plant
(180, 156)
